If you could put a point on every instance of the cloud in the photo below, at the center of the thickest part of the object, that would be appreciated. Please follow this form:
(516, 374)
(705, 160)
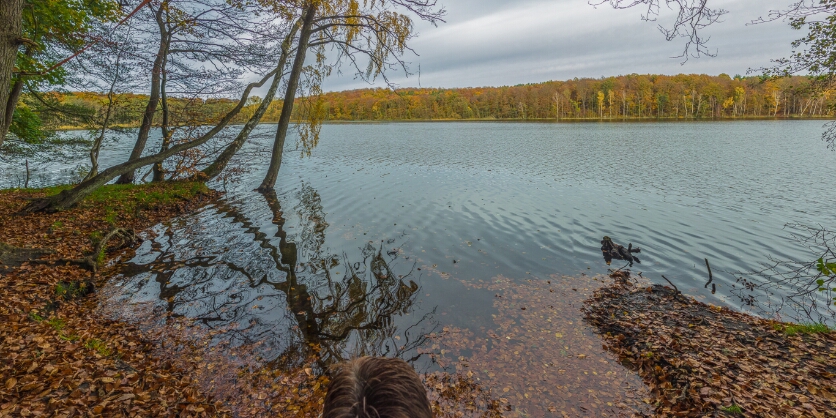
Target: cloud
(493, 42)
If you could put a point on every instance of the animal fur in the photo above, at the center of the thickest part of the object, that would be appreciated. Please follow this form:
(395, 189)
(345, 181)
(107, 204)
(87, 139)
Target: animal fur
(373, 387)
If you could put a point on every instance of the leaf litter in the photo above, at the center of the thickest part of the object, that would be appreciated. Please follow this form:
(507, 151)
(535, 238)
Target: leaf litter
(65, 354)
(542, 356)
(58, 359)
(704, 360)
(539, 357)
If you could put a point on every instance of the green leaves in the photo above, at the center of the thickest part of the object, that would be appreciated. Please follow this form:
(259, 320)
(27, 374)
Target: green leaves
(828, 269)
(57, 28)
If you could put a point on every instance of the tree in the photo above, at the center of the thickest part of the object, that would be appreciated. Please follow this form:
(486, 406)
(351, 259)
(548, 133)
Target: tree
(214, 169)
(107, 66)
(372, 30)
(693, 16)
(11, 15)
(48, 31)
(201, 48)
(69, 198)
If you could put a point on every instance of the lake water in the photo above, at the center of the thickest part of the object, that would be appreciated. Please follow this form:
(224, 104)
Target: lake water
(369, 244)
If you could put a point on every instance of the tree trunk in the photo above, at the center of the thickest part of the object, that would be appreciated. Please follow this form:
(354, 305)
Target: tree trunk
(11, 104)
(290, 95)
(151, 108)
(11, 17)
(97, 144)
(68, 198)
(214, 169)
(159, 173)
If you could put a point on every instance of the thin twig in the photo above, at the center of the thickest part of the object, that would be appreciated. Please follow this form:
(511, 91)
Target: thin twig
(710, 277)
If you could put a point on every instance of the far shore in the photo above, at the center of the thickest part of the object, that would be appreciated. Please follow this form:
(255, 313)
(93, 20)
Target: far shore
(531, 120)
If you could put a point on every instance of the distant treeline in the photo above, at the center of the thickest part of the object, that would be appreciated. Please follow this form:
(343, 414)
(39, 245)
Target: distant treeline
(623, 97)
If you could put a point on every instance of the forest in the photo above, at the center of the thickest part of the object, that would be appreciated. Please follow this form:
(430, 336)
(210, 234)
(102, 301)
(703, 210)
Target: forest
(624, 97)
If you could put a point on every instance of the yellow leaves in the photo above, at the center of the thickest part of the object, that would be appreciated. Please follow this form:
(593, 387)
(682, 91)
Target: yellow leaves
(558, 335)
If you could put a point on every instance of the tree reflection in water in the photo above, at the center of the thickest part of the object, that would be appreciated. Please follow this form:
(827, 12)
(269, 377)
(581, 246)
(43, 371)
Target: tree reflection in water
(221, 269)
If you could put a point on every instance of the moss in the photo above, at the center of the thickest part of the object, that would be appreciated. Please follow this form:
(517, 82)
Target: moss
(118, 202)
(73, 290)
(99, 346)
(733, 409)
(807, 328)
(57, 324)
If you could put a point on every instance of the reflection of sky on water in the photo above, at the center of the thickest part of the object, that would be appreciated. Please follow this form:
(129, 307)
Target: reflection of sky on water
(477, 200)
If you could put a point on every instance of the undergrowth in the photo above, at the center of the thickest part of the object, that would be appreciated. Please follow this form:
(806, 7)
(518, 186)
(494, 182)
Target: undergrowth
(807, 328)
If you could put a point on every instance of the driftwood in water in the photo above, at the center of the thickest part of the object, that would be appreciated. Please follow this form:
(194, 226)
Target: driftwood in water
(613, 251)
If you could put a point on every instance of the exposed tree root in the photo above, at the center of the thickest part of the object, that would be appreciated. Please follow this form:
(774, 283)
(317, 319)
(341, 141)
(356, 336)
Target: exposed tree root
(92, 261)
(11, 256)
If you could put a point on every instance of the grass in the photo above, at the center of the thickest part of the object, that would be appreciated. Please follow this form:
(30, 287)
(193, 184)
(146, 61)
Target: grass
(57, 324)
(99, 346)
(733, 409)
(118, 201)
(72, 290)
(806, 328)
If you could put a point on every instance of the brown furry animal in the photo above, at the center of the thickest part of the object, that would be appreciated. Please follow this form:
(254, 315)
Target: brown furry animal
(373, 387)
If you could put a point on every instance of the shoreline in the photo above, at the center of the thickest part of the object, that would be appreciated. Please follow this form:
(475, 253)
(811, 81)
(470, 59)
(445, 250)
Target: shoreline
(60, 357)
(694, 359)
(699, 359)
(549, 121)
(69, 351)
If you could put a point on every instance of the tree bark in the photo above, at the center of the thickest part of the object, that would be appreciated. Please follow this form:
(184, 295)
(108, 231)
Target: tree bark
(159, 173)
(153, 100)
(11, 102)
(11, 19)
(215, 169)
(269, 181)
(68, 198)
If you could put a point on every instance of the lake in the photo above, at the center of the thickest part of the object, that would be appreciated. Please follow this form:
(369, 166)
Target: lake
(392, 231)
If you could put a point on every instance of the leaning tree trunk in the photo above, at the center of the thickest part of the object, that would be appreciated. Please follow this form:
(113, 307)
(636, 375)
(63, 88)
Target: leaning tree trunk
(290, 95)
(68, 198)
(11, 17)
(14, 97)
(217, 166)
(159, 172)
(11, 104)
(151, 107)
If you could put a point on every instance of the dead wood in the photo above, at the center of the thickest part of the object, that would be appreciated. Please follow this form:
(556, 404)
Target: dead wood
(11, 256)
(92, 261)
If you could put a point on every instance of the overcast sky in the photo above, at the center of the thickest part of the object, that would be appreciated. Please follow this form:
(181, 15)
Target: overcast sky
(502, 42)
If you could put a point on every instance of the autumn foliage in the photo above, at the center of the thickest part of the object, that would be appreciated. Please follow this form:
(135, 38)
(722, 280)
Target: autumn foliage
(58, 357)
(703, 360)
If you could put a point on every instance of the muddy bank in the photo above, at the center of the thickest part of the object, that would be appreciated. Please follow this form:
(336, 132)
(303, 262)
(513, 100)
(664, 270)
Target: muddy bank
(702, 360)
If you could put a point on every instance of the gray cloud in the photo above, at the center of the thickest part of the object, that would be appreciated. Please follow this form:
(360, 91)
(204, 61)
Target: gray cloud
(494, 42)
